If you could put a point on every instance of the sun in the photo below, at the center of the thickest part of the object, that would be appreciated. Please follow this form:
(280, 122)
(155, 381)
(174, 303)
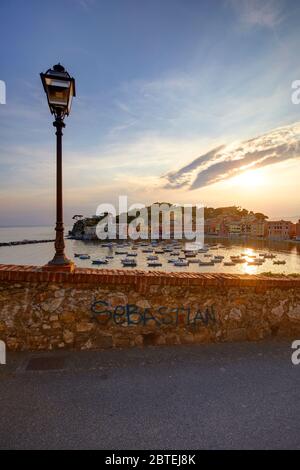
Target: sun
(249, 179)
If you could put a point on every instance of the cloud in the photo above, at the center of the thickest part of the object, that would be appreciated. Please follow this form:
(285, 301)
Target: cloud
(267, 13)
(86, 4)
(226, 161)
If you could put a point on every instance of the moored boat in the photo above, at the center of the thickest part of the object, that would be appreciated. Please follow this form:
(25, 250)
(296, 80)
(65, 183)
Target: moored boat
(152, 258)
(190, 255)
(181, 263)
(255, 263)
(154, 264)
(206, 263)
(99, 261)
(129, 262)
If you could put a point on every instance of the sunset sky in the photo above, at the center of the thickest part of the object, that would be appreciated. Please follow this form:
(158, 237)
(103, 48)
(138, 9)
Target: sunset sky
(187, 101)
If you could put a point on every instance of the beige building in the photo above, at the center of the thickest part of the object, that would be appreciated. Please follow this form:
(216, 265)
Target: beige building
(258, 229)
(235, 228)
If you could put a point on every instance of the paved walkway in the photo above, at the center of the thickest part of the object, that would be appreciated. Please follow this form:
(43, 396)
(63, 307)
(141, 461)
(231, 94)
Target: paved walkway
(184, 397)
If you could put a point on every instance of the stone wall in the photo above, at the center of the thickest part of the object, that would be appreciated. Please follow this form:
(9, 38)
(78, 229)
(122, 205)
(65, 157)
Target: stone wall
(112, 308)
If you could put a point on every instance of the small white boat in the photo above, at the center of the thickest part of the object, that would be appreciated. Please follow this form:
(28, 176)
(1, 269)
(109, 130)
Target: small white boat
(84, 257)
(229, 263)
(131, 254)
(99, 261)
(269, 256)
(181, 263)
(152, 258)
(121, 252)
(129, 262)
(154, 264)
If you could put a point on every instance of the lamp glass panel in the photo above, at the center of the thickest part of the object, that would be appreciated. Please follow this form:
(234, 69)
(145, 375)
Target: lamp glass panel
(71, 93)
(58, 91)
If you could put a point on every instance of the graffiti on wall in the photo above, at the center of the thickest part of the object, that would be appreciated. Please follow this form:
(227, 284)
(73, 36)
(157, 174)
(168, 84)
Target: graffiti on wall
(131, 314)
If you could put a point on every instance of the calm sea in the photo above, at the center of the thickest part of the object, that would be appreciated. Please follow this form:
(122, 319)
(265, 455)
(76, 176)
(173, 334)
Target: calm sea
(39, 254)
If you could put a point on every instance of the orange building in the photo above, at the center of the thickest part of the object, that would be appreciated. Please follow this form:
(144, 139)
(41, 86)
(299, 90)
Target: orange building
(298, 230)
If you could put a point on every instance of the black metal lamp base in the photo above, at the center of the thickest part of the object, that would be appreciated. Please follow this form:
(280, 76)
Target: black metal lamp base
(59, 264)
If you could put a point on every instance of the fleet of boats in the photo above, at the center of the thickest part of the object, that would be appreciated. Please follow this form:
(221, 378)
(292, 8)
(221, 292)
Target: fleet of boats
(155, 255)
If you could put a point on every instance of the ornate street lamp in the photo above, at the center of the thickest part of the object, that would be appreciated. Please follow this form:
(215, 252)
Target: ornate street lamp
(59, 87)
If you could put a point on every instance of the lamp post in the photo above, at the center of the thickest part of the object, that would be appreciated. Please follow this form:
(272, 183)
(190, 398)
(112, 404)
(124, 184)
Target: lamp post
(59, 87)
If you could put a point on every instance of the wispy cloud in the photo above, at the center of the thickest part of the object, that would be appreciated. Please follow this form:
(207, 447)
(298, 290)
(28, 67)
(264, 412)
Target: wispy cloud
(226, 161)
(266, 13)
(86, 4)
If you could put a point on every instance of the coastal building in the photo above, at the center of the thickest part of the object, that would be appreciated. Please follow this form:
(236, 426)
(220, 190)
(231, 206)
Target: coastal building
(246, 228)
(280, 230)
(298, 230)
(258, 229)
(216, 226)
(235, 228)
(211, 227)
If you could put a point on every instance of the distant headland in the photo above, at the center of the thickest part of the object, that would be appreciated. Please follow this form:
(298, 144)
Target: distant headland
(224, 222)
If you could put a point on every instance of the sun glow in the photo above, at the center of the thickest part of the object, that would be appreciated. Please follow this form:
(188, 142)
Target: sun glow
(249, 179)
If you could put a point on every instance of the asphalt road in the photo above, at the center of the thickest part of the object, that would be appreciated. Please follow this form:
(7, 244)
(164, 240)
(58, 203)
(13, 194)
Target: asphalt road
(224, 396)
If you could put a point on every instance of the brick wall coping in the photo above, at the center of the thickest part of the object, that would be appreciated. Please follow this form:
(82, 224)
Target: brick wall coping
(34, 274)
